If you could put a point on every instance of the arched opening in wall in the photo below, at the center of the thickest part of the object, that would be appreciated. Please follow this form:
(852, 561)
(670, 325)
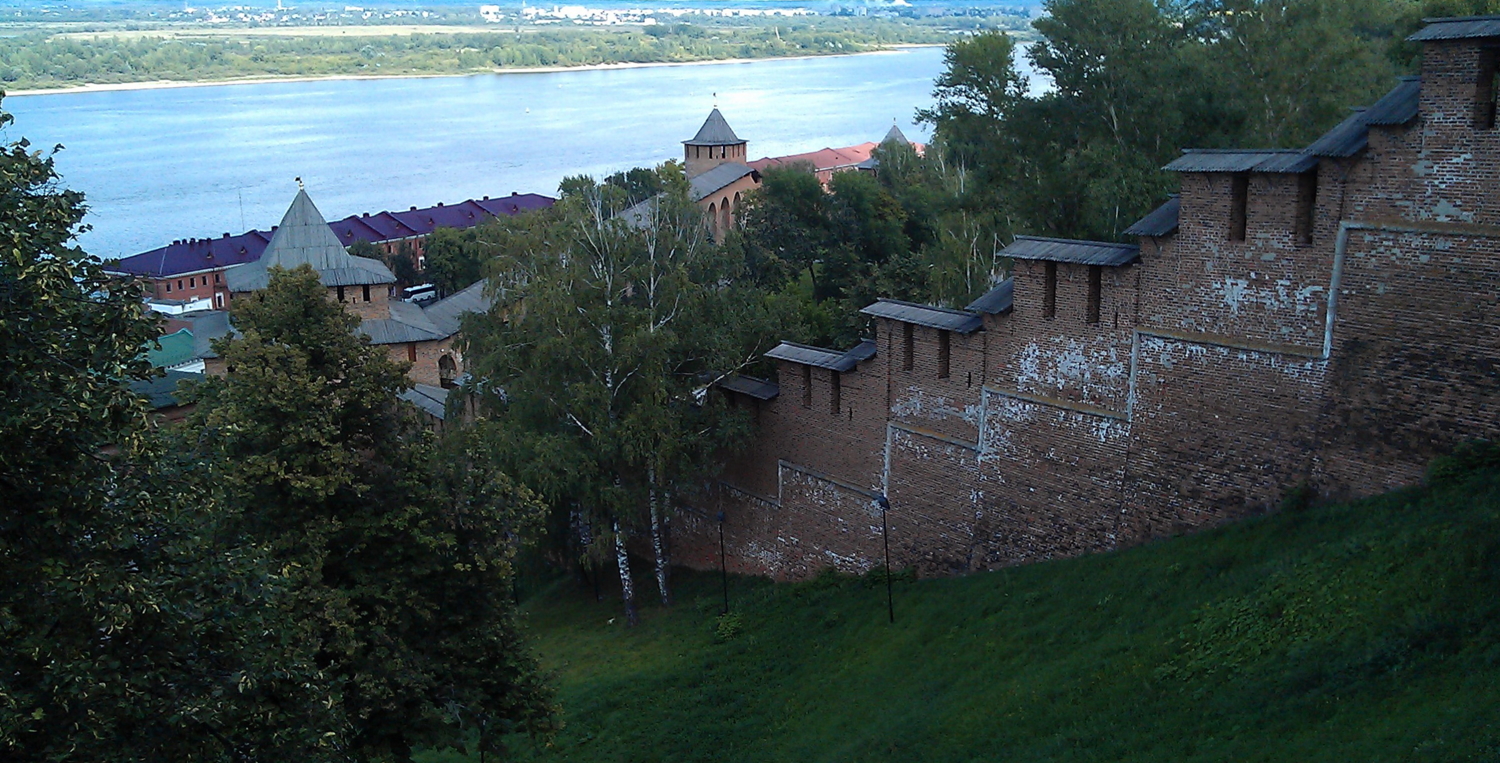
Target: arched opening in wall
(737, 201)
(724, 213)
(447, 371)
(713, 218)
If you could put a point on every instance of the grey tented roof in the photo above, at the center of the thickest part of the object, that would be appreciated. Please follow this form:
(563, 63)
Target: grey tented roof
(714, 132)
(1350, 136)
(208, 325)
(1458, 28)
(1162, 221)
(817, 356)
(708, 183)
(996, 300)
(895, 134)
(447, 313)
(407, 324)
(304, 238)
(1069, 250)
(429, 399)
(760, 389)
(1242, 160)
(924, 315)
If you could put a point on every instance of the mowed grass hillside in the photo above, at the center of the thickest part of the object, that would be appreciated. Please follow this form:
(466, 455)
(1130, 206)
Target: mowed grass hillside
(1368, 631)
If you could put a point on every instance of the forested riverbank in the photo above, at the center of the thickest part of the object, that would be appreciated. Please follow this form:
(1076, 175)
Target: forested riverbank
(43, 61)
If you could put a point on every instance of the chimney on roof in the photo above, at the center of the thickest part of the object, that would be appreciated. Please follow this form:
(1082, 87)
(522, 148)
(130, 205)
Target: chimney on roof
(440, 203)
(226, 234)
(486, 198)
(413, 207)
(513, 193)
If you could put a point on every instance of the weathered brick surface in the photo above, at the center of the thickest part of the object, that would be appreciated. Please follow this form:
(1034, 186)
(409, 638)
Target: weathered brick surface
(1219, 375)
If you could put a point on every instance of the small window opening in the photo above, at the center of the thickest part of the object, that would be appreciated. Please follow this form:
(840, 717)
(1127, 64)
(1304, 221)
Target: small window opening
(1096, 285)
(366, 289)
(1486, 89)
(835, 403)
(411, 352)
(168, 284)
(909, 345)
(944, 350)
(1239, 198)
(341, 293)
(807, 386)
(448, 369)
(216, 277)
(1049, 297)
(193, 282)
(1307, 201)
(179, 284)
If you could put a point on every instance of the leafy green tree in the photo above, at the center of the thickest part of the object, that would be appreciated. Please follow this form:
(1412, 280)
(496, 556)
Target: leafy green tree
(130, 628)
(398, 551)
(604, 349)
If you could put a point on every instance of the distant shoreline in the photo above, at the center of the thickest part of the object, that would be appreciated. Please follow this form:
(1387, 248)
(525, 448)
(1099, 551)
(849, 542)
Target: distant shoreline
(165, 84)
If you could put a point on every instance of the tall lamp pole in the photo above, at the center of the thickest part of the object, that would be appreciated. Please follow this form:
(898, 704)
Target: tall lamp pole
(885, 538)
(723, 570)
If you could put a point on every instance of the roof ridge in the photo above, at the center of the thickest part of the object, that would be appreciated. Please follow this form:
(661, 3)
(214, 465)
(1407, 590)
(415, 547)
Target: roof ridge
(1078, 241)
(951, 310)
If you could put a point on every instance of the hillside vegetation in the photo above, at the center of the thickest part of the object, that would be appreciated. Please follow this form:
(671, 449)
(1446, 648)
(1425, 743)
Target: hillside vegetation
(1368, 631)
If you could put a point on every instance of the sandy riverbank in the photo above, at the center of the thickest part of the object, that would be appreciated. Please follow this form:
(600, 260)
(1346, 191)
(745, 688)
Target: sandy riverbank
(160, 84)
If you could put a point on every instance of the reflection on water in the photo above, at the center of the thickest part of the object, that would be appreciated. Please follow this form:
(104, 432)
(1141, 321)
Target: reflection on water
(190, 162)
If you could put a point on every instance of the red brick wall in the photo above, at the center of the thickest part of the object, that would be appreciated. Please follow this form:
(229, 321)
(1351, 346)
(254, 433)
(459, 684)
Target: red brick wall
(1220, 375)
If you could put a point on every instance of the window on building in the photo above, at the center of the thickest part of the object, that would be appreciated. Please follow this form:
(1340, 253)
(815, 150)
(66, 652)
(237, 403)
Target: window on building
(909, 344)
(366, 290)
(216, 277)
(1307, 203)
(807, 386)
(1049, 293)
(835, 404)
(192, 282)
(1096, 286)
(945, 346)
(179, 284)
(219, 300)
(167, 284)
(1486, 89)
(1239, 199)
(340, 290)
(411, 352)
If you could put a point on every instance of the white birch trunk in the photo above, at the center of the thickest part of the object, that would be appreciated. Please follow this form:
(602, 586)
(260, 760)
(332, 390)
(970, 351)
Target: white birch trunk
(659, 544)
(627, 586)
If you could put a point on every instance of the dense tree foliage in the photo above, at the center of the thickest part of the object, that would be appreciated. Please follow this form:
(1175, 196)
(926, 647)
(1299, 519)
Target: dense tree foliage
(397, 552)
(1136, 81)
(130, 628)
(608, 332)
(914, 231)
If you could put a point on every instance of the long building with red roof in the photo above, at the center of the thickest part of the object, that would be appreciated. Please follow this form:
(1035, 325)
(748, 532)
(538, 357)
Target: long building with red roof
(193, 268)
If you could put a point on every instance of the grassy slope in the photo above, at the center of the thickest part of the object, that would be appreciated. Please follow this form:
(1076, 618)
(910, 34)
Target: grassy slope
(1361, 632)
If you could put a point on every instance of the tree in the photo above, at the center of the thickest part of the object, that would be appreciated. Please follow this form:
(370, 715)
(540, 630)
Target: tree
(398, 550)
(130, 628)
(605, 347)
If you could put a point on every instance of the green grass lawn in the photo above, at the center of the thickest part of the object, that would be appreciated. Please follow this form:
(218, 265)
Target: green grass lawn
(1368, 631)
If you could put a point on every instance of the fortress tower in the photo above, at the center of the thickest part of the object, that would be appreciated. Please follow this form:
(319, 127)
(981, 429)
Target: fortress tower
(715, 144)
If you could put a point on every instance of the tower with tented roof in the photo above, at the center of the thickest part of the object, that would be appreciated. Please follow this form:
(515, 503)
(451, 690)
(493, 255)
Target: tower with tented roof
(715, 144)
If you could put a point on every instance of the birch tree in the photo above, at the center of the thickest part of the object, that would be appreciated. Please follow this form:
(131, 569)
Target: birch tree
(604, 343)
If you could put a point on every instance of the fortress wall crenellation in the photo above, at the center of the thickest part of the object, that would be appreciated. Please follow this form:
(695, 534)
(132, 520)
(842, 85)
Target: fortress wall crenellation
(1321, 318)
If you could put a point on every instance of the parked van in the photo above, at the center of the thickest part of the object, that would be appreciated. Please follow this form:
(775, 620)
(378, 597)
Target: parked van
(420, 294)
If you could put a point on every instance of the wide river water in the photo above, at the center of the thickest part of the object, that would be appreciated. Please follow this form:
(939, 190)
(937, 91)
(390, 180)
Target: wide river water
(163, 164)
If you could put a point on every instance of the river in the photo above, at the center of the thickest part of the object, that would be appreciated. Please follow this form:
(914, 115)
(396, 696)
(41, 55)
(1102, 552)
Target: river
(162, 164)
